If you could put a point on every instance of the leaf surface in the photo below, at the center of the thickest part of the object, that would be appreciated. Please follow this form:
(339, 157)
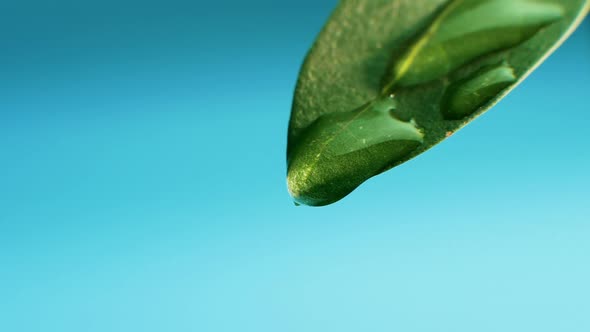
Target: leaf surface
(388, 79)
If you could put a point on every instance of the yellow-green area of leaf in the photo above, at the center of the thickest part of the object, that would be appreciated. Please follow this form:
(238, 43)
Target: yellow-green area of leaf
(387, 79)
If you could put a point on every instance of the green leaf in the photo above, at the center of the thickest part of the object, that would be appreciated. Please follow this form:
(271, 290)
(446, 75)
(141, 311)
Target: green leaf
(388, 79)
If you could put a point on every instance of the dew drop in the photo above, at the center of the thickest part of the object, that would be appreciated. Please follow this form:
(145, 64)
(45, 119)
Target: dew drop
(466, 96)
(334, 155)
(464, 31)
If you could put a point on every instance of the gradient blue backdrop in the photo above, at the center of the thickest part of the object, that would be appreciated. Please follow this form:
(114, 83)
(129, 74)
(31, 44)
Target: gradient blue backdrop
(142, 186)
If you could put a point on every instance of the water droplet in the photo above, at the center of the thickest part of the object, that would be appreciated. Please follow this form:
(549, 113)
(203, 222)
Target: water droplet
(333, 156)
(466, 96)
(467, 30)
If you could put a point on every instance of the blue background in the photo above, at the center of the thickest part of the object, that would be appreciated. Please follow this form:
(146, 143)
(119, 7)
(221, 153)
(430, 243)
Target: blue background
(142, 186)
